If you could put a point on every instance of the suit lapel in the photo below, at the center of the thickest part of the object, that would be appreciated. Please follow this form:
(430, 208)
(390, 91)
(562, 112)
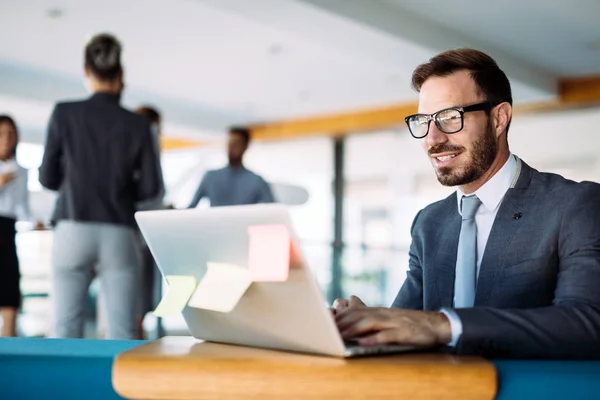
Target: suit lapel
(512, 213)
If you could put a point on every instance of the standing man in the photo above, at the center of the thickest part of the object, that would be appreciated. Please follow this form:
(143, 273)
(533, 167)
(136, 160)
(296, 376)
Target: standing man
(154, 118)
(509, 265)
(234, 184)
(150, 278)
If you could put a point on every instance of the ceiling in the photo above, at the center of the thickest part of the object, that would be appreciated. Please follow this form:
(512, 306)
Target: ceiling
(208, 64)
(560, 37)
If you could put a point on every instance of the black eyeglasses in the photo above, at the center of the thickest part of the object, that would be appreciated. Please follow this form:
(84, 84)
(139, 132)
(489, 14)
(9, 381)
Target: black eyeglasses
(449, 120)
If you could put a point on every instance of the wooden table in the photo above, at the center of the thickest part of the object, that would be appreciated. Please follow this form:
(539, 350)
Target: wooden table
(185, 368)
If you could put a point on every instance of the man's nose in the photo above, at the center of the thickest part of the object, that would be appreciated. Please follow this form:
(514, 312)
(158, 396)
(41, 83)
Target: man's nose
(435, 136)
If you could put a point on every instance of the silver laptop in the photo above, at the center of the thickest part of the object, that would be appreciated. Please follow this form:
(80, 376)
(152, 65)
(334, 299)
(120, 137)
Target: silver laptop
(290, 315)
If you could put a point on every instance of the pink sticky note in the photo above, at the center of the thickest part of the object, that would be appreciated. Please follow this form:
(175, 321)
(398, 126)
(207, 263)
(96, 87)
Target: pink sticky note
(269, 255)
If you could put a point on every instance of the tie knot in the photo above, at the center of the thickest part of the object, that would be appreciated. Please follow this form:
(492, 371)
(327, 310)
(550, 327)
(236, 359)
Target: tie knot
(469, 206)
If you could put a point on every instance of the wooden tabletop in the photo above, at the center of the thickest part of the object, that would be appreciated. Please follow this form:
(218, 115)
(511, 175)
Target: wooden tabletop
(185, 368)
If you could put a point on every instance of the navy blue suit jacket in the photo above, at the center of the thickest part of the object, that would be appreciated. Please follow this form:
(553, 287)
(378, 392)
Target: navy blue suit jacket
(538, 292)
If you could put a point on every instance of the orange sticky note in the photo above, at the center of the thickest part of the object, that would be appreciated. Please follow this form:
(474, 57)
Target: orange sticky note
(269, 255)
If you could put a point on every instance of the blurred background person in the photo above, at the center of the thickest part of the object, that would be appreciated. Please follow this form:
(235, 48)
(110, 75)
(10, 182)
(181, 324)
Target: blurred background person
(234, 184)
(14, 204)
(101, 160)
(150, 278)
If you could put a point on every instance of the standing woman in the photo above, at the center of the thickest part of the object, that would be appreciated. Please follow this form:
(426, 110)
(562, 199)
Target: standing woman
(100, 158)
(14, 204)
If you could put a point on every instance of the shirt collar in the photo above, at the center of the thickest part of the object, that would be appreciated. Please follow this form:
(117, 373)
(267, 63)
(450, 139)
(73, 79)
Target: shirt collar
(9, 165)
(10, 161)
(492, 192)
(107, 97)
(236, 168)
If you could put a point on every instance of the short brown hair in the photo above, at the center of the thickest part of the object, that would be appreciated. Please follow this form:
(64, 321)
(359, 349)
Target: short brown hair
(489, 78)
(149, 112)
(241, 131)
(103, 56)
(5, 119)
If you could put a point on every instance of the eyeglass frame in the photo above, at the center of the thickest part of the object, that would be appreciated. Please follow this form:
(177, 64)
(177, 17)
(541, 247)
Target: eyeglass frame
(483, 106)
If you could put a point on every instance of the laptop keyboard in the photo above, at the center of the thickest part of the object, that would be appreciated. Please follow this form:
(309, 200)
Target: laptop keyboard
(353, 349)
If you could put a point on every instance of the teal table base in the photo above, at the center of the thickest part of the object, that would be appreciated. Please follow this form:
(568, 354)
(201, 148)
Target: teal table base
(572, 380)
(82, 369)
(59, 368)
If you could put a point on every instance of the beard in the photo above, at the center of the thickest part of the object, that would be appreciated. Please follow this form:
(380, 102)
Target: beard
(482, 156)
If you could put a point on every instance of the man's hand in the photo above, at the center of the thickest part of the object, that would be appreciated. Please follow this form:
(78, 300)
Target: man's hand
(378, 325)
(340, 305)
(6, 178)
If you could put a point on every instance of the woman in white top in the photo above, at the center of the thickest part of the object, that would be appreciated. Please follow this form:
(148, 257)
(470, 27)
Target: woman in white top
(14, 204)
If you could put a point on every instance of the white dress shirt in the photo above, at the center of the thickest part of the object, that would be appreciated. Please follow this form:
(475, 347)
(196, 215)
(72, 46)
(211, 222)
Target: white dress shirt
(491, 195)
(14, 196)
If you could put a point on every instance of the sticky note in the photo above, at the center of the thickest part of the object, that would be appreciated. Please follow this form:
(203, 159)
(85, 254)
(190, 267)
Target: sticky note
(269, 253)
(181, 288)
(221, 288)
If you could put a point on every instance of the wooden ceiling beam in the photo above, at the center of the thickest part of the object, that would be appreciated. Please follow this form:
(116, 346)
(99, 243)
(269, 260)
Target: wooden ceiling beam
(580, 91)
(337, 123)
(169, 143)
(573, 93)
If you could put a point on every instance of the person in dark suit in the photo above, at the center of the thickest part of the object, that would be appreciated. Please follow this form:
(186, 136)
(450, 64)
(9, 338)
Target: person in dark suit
(100, 158)
(509, 265)
(150, 278)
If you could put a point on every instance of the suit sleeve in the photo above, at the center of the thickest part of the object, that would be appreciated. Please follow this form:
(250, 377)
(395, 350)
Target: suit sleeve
(51, 170)
(570, 328)
(265, 194)
(159, 198)
(148, 174)
(410, 295)
(23, 211)
(201, 191)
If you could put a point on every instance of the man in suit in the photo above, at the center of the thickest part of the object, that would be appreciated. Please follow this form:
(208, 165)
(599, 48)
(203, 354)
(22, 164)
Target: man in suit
(509, 265)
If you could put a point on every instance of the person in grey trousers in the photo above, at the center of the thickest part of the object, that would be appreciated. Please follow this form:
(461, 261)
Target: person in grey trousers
(150, 288)
(101, 159)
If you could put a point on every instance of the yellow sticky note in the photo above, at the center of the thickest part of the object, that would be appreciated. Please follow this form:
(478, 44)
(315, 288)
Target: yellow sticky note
(181, 288)
(221, 288)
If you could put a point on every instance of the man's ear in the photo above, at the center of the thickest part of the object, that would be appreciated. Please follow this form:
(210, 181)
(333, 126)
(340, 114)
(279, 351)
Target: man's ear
(501, 116)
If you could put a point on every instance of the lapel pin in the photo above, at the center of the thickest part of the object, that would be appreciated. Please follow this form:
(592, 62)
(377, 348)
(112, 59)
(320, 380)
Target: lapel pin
(517, 215)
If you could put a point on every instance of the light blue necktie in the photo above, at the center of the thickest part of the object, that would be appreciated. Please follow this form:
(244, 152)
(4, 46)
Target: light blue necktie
(466, 259)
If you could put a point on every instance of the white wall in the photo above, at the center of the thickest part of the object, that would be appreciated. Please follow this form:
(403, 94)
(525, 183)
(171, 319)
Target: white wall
(383, 169)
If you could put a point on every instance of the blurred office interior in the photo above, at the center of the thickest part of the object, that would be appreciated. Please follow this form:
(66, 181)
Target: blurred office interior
(211, 64)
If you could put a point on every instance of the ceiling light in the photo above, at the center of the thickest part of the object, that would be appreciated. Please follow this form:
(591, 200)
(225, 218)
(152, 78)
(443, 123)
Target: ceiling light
(54, 13)
(275, 49)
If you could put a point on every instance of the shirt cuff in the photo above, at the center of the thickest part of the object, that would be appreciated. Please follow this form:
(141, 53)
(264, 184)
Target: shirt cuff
(455, 325)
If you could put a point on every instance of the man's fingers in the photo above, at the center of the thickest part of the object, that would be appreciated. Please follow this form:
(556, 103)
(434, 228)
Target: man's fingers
(382, 337)
(360, 328)
(352, 324)
(345, 318)
(354, 301)
(339, 305)
(351, 302)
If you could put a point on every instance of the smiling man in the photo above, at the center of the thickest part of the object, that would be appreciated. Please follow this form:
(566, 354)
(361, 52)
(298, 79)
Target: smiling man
(509, 265)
